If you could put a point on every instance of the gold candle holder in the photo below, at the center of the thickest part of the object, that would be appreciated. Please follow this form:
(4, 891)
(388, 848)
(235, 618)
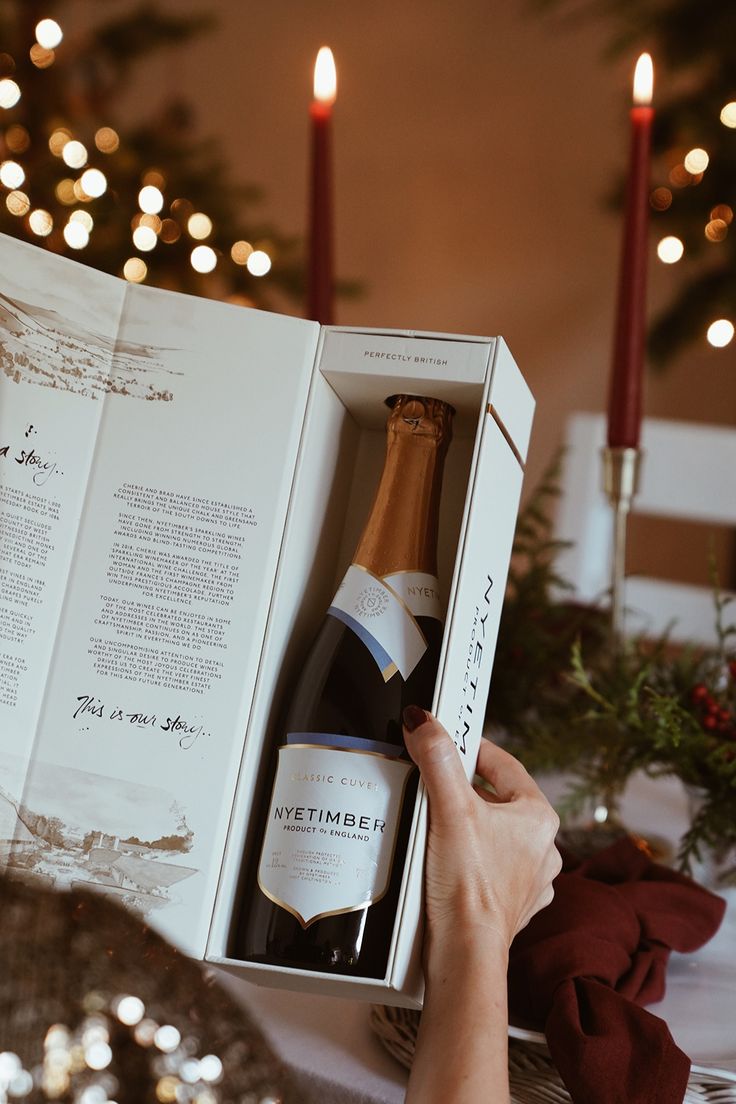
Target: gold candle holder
(621, 470)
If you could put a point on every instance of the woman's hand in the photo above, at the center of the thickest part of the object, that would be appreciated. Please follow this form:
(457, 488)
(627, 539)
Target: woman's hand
(491, 860)
(491, 856)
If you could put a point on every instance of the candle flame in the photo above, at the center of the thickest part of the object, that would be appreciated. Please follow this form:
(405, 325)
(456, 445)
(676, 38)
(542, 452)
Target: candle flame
(325, 76)
(643, 80)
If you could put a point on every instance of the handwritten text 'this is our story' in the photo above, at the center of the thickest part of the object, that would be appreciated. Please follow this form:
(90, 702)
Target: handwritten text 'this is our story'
(40, 467)
(186, 732)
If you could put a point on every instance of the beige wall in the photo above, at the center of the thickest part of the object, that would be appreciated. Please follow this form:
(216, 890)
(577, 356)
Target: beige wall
(475, 143)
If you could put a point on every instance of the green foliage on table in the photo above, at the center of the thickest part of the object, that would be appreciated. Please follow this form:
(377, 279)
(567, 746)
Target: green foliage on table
(568, 698)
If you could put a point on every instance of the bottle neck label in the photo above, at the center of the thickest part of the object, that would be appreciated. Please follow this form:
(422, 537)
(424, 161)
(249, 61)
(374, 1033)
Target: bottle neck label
(418, 591)
(332, 825)
(383, 613)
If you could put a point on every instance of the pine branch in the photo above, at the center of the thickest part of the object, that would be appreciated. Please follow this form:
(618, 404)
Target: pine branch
(125, 40)
(567, 699)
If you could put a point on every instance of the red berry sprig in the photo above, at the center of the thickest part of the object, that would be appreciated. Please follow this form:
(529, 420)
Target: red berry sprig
(714, 717)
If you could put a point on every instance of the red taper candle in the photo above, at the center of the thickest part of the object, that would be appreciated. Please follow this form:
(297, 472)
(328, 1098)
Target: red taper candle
(627, 373)
(320, 280)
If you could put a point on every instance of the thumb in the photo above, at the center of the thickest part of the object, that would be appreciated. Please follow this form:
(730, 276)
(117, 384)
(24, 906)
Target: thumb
(439, 763)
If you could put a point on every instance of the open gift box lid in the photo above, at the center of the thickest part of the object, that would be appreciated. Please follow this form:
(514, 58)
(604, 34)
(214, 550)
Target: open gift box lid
(181, 485)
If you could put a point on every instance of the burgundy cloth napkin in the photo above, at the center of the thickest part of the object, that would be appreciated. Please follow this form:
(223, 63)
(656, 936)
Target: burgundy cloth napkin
(584, 966)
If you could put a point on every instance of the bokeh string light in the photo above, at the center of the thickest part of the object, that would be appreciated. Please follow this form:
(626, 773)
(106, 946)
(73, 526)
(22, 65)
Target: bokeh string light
(76, 235)
(94, 183)
(661, 199)
(686, 168)
(135, 270)
(107, 140)
(9, 93)
(84, 218)
(696, 161)
(84, 1063)
(203, 258)
(720, 333)
(716, 230)
(199, 226)
(64, 191)
(58, 139)
(48, 34)
(258, 263)
(150, 199)
(670, 249)
(170, 231)
(144, 238)
(18, 203)
(722, 211)
(12, 174)
(74, 154)
(91, 167)
(241, 251)
(17, 138)
(728, 114)
(41, 222)
(41, 56)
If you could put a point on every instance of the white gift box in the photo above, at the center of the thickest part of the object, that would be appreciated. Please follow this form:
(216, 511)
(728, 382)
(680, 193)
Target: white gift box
(182, 486)
(338, 466)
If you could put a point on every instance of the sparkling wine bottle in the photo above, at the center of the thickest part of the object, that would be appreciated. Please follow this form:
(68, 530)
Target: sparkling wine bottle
(323, 890)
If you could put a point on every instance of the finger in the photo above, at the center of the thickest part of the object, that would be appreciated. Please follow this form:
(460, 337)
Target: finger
(442, 772)
(505, 773)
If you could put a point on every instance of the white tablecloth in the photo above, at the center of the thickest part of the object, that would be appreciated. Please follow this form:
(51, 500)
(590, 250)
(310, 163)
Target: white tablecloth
(326, 1043)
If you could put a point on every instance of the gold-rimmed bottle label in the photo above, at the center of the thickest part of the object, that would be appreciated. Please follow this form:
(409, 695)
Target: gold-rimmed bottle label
(332, 824)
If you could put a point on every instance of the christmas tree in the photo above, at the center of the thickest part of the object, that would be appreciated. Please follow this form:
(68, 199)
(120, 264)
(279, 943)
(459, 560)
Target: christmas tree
(151, 202)
(693, 43)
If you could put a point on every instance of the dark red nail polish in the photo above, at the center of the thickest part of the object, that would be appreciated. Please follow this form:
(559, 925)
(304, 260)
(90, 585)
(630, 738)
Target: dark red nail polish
(414, 717)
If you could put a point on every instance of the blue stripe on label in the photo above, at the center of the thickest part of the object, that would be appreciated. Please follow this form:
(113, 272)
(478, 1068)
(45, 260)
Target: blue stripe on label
(332, 739)
(381, 656)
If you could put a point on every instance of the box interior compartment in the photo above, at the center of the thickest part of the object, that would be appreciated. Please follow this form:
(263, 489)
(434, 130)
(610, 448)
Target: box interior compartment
(339, 464)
